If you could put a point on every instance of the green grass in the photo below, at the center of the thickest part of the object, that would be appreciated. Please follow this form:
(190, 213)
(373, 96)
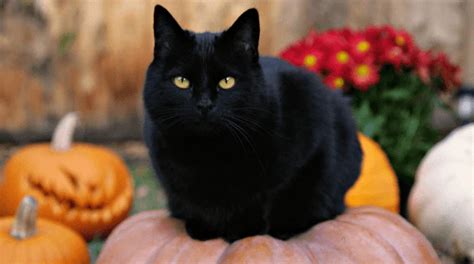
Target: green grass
(148, 196)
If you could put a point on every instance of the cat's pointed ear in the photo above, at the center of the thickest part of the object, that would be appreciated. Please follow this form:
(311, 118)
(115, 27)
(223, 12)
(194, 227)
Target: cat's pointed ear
(166, 30)
(245, 32)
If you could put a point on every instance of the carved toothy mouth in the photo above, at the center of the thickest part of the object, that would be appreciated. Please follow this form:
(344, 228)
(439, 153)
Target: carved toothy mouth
(62, 199)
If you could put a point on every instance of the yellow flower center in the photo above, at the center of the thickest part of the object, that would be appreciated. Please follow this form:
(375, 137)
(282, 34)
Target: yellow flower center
(310, 60)
(362, 70)
(338, 82)
(400, 40)
(342, 57)
(363, 46)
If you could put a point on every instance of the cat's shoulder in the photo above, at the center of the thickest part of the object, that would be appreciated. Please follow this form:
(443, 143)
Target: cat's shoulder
(273, 63)
(289, 76)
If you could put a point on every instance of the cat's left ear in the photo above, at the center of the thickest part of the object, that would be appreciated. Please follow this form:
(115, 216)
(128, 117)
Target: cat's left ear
(244, 33)
(167, 31)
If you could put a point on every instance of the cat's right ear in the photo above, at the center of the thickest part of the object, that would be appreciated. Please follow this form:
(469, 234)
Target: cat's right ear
(166, 30)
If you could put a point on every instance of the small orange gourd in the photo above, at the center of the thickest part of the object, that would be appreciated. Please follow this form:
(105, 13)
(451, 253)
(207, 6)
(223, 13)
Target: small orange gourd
(26, 239)
(377, 184)
(361, 235)
(83, 186)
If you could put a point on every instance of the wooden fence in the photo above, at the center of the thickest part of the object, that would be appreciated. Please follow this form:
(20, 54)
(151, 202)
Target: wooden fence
(90, 56)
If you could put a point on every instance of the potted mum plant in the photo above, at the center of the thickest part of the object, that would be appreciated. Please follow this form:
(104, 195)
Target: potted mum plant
(394, 86)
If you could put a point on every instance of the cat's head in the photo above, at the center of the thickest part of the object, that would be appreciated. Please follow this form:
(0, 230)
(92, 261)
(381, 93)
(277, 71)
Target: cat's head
(203, 82)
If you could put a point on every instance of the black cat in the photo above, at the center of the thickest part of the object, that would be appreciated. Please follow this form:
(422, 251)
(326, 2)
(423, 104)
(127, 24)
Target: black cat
(242, 144)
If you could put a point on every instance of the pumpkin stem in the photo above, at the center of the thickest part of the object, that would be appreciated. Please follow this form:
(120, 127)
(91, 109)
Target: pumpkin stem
(25, 219)
(62, 136)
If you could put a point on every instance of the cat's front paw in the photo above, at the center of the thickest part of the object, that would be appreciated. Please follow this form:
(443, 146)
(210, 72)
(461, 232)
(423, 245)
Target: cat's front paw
(232, 237)
(243, 231)
(288, 232)
(283, 235)
(199, 232)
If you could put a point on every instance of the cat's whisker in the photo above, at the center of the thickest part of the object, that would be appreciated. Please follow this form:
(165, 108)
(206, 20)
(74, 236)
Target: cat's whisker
(178, 120)
(253, 109)
(245, 135)
(251, 123)
(235, 135)
(255, 126)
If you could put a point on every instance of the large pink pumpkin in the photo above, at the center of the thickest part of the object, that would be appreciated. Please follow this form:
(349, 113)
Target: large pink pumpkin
(361, 235)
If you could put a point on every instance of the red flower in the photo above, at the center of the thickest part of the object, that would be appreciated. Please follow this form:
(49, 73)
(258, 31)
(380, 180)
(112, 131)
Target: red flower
(423, 61)
(373, 34)
(311, 39)
(338, 62)
(403, 40)
(391, 54)
(364, 75)
(313, 60)
(449, 73)
(294, 53)
(306, 53)
(360, 48)
(344, 57)
(396, 47)
(334, 81)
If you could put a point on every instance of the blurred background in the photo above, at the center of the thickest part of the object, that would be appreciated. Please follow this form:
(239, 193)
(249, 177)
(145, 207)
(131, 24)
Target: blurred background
(90, 56)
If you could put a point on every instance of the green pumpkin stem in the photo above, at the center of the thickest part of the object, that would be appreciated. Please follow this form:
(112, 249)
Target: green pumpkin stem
(62, 136)
(24, 225)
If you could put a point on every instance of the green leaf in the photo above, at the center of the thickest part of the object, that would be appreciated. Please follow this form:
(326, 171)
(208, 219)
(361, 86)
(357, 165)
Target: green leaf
(396, 94)
(396, 113)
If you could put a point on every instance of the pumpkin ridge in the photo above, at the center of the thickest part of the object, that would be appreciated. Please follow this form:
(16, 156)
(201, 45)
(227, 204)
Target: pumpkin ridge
(223, 254)
(404, 227)
(172, 238)
(151, 218)
(182, 248)
(327, 243)
(390, 247)
(131, 228)
(305, 247)
(243, 244)
(136, 218)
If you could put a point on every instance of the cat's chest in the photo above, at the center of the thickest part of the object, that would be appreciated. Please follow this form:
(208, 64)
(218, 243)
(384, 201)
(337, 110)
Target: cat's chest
(201, 158)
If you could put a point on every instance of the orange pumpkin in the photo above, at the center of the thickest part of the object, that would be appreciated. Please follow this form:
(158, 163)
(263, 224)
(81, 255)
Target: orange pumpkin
(25, 239)
(83, 186)
(361, 235)
(377, 184)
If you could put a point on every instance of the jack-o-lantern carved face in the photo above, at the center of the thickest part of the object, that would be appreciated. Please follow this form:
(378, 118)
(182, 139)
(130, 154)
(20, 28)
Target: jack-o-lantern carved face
(85, 187)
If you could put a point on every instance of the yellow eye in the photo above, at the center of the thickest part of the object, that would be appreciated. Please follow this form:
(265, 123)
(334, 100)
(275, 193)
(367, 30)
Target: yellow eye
(181, 82)
(227, 83)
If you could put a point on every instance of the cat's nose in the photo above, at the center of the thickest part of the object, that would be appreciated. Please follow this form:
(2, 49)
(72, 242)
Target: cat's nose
(205, 105)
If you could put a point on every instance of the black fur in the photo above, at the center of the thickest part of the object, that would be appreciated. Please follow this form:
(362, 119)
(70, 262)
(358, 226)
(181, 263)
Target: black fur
(273, 155)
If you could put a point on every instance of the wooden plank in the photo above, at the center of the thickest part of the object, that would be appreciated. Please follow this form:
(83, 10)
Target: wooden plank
(90, 56)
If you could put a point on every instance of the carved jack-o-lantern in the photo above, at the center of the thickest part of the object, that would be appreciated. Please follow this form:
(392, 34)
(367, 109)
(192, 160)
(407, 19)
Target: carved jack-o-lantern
(84, 186)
